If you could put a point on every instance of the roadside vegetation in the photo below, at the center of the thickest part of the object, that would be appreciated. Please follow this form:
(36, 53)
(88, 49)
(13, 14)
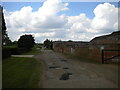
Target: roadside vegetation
(34, 51)
(21, 73)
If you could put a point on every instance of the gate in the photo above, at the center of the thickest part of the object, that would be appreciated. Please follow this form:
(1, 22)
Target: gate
(113, 55)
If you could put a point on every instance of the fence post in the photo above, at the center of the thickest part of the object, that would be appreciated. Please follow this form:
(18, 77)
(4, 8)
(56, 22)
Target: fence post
(102, 56)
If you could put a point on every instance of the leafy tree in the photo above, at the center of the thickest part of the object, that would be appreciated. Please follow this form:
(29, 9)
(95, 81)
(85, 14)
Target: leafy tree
(7, 41)
(14, 43)
(48, 44)
(5, 38)
(26, 41)
(70, 41)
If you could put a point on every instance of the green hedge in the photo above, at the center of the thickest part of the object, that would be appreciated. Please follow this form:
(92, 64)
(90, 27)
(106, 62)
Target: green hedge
(8, 51)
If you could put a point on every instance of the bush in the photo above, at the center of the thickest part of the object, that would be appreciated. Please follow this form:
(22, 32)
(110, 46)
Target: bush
(22, 50)
(6, 52)
(14, 51)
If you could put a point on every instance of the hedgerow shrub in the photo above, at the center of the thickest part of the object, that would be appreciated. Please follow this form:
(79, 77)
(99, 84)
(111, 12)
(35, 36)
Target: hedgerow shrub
(7, 51)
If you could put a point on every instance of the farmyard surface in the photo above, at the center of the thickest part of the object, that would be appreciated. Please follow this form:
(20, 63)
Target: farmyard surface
(81, 74)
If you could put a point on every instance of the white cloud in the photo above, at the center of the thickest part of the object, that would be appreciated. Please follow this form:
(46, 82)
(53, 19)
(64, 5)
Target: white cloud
(46, 23)
(51, 7)
(105, 21)
(78, 23)
(106, 17)
(48, 34)
(40, 22)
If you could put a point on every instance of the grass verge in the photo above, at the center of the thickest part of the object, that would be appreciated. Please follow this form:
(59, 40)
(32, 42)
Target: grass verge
(20, 72)
(34, 51)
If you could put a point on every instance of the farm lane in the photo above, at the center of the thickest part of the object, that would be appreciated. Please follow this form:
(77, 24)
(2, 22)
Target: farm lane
(78, 74)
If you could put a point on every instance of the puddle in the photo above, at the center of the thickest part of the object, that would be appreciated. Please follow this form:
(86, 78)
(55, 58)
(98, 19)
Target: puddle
(64, 60)
(65, 68)
(54, 67)
(65, 76)
(70, 73)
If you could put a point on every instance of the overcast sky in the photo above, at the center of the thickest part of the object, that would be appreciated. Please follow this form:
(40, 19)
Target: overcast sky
(55, 20)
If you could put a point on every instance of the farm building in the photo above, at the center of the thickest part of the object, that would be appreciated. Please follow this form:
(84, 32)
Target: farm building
(68, 47)
(110, 43)
(91, 49)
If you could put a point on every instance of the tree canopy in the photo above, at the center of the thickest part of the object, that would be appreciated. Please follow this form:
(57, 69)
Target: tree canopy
(5, 38)
(48, 44)
(26, 41)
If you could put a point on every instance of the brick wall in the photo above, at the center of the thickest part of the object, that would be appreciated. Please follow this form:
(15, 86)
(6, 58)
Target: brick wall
(93, 49)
